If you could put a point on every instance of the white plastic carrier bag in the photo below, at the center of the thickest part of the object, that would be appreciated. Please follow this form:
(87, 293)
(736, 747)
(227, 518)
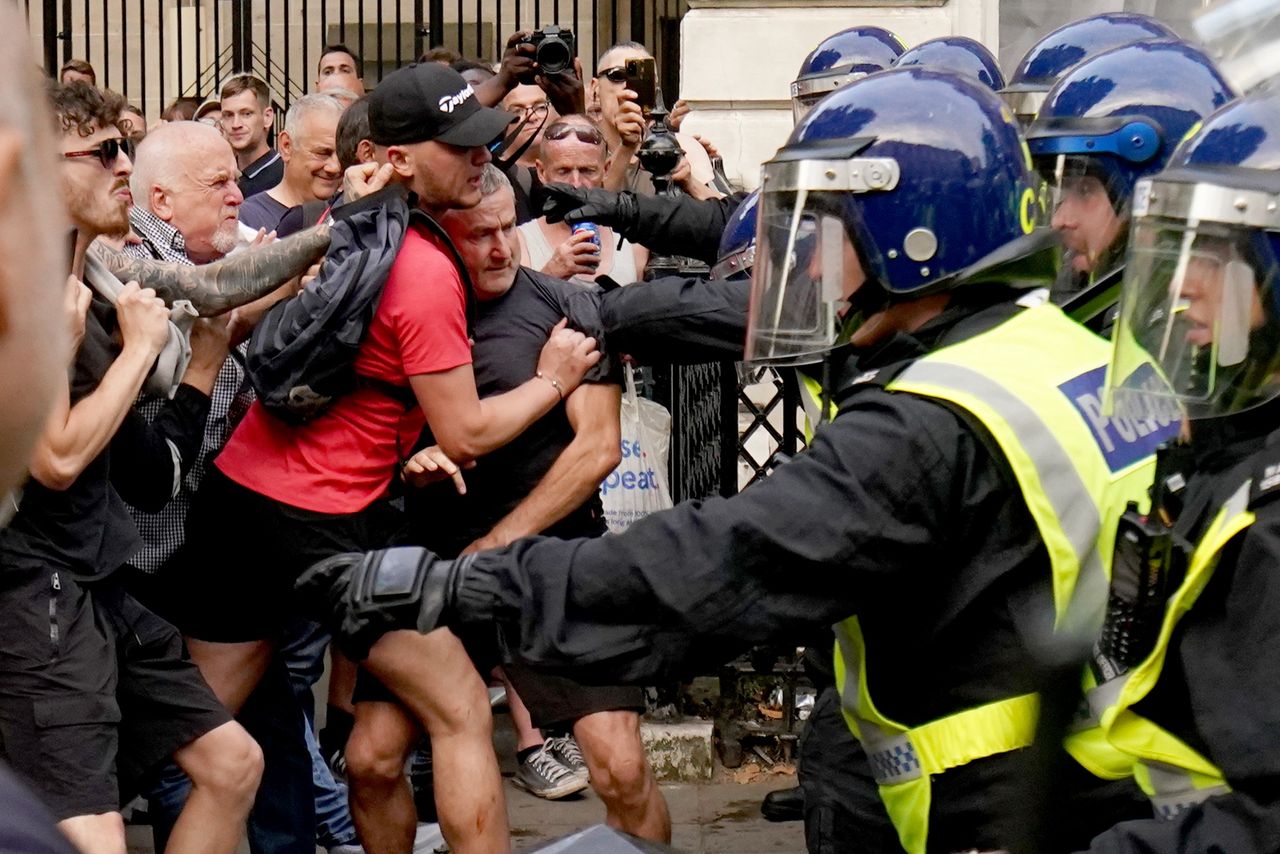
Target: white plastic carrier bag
(638, 486)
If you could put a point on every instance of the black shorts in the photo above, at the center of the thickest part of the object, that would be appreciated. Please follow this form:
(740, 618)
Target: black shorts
(95, 690)
(553, 699)
(232, 580)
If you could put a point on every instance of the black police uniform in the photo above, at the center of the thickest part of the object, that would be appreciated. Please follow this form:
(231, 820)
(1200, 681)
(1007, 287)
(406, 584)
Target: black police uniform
(679, 319)
(1219, 692)
(900, 512)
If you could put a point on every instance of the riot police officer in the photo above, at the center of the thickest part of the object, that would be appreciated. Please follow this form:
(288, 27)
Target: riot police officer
(839, 59)
(960, 54)
(1068, 46)
(954, 512)
(1106, 123)
(1195, 648)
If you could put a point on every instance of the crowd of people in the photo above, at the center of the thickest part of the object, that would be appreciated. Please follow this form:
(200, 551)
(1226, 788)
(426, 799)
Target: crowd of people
(342, 397)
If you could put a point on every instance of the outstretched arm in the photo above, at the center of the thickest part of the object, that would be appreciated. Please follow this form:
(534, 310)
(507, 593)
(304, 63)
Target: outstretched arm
(223, 285)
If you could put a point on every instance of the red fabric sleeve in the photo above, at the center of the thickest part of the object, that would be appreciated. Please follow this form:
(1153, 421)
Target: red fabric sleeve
(425, 309)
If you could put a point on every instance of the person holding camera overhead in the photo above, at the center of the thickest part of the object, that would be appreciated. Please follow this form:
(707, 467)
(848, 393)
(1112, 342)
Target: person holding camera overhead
(538, 80)
(624, 118)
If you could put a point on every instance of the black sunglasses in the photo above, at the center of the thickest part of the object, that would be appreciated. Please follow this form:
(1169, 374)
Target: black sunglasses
(589, 135)
(107, 151)
(617, 74)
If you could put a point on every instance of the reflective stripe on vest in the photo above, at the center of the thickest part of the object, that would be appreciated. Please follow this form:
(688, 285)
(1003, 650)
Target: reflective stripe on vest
(811, 402)
(1174, 775)
(1035, 383)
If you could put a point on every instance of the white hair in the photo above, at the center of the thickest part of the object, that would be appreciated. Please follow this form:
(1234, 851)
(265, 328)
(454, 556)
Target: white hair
(315, 103)
(164, 151)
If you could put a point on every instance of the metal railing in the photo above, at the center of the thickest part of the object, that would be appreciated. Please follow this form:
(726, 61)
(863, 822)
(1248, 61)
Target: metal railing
(153, 51)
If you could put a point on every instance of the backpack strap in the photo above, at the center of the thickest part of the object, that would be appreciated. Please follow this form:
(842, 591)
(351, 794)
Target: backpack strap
(416, 214)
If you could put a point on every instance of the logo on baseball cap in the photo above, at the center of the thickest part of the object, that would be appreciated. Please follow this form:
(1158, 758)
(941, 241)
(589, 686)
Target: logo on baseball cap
(430, 101)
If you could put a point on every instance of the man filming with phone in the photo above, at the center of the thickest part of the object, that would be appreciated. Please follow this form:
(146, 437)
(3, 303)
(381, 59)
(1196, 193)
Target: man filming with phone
(624, 118)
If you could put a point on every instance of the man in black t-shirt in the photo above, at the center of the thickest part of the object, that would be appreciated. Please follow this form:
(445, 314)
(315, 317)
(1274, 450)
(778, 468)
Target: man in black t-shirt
(544, 481)
(95, 690)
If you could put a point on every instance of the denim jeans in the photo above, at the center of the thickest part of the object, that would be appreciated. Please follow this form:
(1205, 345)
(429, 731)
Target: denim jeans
(303, 655)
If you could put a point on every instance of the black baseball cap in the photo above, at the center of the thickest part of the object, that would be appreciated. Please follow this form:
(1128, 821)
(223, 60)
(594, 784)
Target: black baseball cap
(429, 101)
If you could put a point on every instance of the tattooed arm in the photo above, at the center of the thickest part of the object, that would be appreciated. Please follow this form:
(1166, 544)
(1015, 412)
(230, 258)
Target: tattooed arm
(223, 285)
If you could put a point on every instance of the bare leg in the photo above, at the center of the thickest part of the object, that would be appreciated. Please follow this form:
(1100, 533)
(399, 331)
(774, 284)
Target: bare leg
(231, 669)
(434, 678)
(225, 766)
(381, 799)
(621, 776)
(95, 834)
(527, 735)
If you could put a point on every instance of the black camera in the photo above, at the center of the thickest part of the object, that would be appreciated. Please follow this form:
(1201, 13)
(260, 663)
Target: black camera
(553, 49)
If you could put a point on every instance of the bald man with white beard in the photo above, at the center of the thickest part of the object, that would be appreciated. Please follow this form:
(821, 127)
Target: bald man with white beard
(186, 201)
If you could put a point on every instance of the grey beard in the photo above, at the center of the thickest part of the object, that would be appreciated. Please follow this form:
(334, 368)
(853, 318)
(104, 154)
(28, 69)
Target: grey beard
(225, 239)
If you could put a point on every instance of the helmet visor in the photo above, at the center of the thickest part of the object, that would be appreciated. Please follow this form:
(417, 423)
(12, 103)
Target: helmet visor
(1087, 205)
(1192, 327)
(798, 289)
(1024, 104)
(808, 91)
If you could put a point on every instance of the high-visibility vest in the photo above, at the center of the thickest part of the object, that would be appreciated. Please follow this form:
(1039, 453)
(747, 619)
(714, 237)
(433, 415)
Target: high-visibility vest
(811, 398)
(1035, 382)
(1174, 775)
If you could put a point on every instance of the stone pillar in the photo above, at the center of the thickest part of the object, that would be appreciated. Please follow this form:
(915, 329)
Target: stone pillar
(738, 58)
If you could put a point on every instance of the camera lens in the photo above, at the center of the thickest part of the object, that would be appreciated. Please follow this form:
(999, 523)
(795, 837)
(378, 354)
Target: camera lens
(553, 56)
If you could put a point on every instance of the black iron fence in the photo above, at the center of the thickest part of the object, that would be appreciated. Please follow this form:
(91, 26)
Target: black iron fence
(153, 51)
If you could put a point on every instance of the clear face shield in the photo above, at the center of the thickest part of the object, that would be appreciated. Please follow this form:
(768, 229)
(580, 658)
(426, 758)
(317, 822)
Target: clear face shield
(810, 90)
(1193, 331)
(806, 265)
(1024, 104)
(1089, 211)
(1087, 165)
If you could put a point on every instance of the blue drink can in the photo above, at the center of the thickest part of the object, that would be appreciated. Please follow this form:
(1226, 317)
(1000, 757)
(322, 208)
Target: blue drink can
(590, 228)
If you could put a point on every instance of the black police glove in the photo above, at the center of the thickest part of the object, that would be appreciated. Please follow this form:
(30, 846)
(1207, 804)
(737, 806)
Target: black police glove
(603, 207)
(360, 596)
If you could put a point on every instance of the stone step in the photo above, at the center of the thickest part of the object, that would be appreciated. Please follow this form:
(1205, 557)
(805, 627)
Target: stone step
(679, 752)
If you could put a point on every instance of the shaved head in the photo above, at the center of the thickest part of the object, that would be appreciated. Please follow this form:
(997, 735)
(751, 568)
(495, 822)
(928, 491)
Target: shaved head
(168, 150)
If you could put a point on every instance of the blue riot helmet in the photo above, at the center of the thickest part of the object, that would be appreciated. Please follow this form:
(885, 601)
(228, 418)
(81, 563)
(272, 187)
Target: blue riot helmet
(738, 242)
(1067, 47)
(960, 54)
(1200, 308)
(840, 59)
(900, 185)
(1109, 121)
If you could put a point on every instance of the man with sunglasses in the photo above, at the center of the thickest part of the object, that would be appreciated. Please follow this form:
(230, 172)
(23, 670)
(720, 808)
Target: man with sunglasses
(573, 152)
(625, 125)
(97, 691)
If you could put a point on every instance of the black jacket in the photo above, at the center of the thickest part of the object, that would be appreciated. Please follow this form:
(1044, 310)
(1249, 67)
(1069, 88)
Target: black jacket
(1219, 691)
(679, 225)
(675, 319)
(901, 512)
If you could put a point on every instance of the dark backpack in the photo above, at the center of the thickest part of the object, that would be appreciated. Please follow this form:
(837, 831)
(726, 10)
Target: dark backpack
(301, 356)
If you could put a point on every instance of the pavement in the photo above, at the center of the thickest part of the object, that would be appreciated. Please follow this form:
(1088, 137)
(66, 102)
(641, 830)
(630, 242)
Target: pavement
(716, 817)
(706, 818)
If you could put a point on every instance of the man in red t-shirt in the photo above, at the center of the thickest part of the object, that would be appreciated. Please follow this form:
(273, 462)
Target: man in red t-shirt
(280, 497)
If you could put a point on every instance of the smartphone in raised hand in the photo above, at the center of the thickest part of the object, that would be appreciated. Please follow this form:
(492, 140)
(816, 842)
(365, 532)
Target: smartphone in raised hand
(642, 79)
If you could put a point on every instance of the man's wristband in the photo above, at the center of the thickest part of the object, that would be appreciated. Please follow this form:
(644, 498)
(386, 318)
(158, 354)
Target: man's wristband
(555, 383)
